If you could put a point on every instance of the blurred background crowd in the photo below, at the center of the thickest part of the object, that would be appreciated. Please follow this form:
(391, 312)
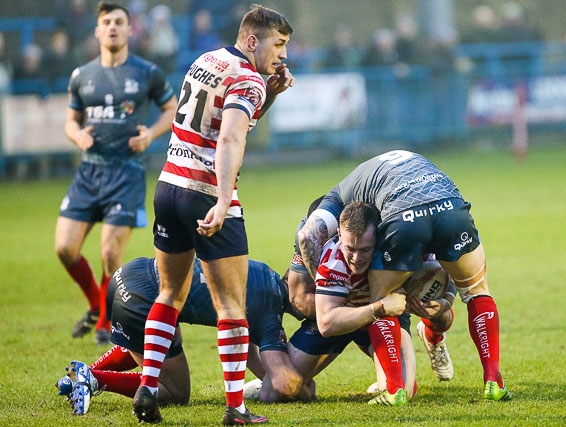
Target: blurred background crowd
(172, 34)
(433, 71)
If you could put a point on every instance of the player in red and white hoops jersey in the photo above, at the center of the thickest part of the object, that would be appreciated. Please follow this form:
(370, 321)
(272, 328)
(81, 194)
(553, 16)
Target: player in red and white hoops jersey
(197, 211)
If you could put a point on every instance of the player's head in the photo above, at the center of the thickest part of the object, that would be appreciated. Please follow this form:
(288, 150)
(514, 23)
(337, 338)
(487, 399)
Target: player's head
(112, 27)
(263, 36)
(357, 228)
(315, 204)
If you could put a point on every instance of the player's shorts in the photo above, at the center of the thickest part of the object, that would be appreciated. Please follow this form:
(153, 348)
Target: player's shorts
(309, 340)
(128, 307)
(175, 229)
(444, 228)
(114, 194)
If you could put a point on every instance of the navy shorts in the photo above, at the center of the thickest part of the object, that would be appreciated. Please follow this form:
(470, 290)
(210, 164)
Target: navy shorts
(309, 340)
(175, 229)
(127, 310)
(109, 193)
(444, 228)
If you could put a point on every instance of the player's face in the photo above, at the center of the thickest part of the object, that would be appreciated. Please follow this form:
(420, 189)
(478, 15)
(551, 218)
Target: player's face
(270, 51)
(113, 30)
(358, 251)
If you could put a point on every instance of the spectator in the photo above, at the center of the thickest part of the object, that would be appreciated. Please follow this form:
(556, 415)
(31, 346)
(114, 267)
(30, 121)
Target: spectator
(485, 26)
(5, 67)
(58, 61)
(409, 47)
(342, 53)
(29, 72)
(139, 24)
(382, 49)
(202, 36)
(163, 41)
(515, 26)
(229, 30)
(76, 18)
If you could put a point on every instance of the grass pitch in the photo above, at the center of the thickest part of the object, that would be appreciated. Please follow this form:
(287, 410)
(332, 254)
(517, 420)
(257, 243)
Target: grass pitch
(519, 208)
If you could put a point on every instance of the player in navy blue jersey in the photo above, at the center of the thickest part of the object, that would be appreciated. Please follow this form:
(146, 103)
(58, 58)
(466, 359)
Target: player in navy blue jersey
(421, 211)
(109, 102)
(131, 293)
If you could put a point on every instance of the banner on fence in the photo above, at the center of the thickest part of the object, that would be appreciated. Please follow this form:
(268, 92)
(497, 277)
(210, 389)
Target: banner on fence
(496, 102)
(321, 102)
(33, 125)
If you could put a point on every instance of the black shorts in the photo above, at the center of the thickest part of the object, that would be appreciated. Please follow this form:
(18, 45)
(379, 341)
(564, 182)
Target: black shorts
(444, 228)
(175, 229)
(309, 340)
(114, 194)
(128, 308)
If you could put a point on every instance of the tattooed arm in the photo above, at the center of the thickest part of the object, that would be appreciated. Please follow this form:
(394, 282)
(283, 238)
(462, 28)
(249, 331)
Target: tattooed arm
(311, 240)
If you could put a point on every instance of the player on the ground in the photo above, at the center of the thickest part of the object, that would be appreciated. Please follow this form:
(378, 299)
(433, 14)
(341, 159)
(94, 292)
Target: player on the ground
(436, 320)
(131, 292)
(421, 211)
(109, 103)
(196, 204)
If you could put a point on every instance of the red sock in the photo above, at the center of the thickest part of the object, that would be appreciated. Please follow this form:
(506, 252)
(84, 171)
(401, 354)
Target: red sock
(233, 342)
(103, 322)
(434, 331)
(83, 275)
(125, 383)
(116, 359)
(159, 333)
(385, 336)
(483, 322)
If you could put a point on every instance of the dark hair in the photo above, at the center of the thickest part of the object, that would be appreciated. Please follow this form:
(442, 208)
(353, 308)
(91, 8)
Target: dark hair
(357, 217)
(261, 20)
(105, 7)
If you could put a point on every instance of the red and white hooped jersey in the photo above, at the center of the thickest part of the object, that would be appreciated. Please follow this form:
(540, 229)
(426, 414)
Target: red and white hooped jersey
(334, 277)
(219, 79)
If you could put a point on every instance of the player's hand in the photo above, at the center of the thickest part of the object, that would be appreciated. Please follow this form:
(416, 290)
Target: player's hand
(393, 304)
(281, 80)
(84, 139)
(139, 143)
(429, 309)
(213, 221)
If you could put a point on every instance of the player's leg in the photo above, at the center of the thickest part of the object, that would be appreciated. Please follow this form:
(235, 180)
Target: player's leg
(226, 278)
(113, 241)
(409, 367)
(70, 235)
(432, 334)
(469, 275)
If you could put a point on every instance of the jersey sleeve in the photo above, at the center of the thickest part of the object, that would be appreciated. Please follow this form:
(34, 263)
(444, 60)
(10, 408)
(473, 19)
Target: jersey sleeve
(74, 101)
(160, 90)
(246, 93)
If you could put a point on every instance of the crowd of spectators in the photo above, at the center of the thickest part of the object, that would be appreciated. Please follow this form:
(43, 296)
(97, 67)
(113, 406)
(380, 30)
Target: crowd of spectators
(156, 36)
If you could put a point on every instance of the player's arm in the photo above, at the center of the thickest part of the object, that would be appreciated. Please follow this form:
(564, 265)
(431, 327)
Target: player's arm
(335, 318)
(229, 156)
(301, 293)
(311, 239)
(146, 134)
(74, 129)
(283, 383)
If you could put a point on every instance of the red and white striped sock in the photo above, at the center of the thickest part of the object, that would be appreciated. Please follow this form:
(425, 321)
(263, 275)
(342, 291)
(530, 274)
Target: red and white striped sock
(233, 342)
(159, 333)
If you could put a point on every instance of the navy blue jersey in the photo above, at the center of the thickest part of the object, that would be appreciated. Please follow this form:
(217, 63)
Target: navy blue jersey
(394, 181)
(135, 286)
(115, 100)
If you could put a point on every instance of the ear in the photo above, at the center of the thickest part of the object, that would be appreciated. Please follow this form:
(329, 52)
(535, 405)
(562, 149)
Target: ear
(252, 42)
